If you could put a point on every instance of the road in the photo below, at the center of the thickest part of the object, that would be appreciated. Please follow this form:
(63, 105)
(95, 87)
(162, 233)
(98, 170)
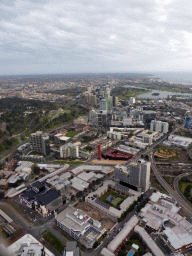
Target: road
(185, 205)
(176, 187)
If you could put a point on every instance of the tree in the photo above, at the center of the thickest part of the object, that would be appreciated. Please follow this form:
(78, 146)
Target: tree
(95, 244)
(1, 195)
(36, 169)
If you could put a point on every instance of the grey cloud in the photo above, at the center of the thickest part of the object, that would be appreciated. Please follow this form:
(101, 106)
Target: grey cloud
(83, 35)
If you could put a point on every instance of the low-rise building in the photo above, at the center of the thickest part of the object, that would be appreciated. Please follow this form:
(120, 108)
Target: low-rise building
(164, 213)
(179, 141)
(59, 184)
(71, 249)
(112, 213)
(149, 241)
(120, 237)
(80, 226)
(28, 245)
(79, 184)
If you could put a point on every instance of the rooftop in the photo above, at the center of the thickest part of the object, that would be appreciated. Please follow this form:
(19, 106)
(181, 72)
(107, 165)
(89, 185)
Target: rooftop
(47, 197)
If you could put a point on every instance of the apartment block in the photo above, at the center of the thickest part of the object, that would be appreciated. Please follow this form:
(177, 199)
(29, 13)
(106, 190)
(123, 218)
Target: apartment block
(158, 126)
(137, 175)
(69, 150)
(40, 143)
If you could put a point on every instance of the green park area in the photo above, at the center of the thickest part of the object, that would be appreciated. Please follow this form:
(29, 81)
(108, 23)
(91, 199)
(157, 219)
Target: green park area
(53, 241)
(129, 92)
(185, 186)
(113, 198)
(71, 134)
(67, 162)
(184, 133)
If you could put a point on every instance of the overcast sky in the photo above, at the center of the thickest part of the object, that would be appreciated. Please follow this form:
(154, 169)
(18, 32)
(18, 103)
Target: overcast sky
(61, 36)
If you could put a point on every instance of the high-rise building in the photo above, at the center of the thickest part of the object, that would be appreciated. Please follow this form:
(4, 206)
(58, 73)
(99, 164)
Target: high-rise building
(158, 126)
(40, 143)
(69, 150)
(132, 100)
(136, 176)
(115, 101)
(103, 105)
(93, 100)
(188, 120)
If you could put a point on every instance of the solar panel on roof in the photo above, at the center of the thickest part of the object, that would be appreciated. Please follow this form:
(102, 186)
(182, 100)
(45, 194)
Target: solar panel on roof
(122, 187)
(99, 202)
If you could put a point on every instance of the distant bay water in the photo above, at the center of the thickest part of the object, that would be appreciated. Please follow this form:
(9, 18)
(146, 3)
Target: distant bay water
(175, 77)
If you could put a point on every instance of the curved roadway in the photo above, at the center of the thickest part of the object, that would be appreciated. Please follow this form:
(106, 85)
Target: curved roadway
(176, 187)
(185, 205)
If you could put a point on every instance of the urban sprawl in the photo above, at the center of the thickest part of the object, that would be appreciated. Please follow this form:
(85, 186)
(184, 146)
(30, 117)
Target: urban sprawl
(92, 168)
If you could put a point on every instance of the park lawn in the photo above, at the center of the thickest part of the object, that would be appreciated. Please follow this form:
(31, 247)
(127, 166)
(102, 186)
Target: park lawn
(71, 134)
(184, 133)
(53, 241)
(126, 94)
(183, 185)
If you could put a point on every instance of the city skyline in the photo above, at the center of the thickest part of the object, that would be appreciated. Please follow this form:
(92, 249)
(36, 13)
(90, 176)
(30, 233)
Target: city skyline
(49, 37)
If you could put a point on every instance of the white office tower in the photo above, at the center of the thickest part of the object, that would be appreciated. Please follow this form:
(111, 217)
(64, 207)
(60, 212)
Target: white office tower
(137, 174)
(145, 174)
(93, 117)
(132, 100)
(69, 150)
(158, 126)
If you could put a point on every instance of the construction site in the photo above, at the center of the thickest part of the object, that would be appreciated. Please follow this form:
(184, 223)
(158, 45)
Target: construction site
(93, 213)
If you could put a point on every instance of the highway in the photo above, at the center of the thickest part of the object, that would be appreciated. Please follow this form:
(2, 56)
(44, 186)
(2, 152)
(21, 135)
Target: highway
(176, 187)
(183, 203)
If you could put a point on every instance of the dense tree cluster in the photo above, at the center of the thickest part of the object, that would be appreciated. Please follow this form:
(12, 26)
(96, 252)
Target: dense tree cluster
(19, 114)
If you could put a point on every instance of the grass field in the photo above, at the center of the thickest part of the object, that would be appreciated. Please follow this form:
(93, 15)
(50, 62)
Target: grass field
(67, 162)
(127, 93)
(52, 240)
(71, 134)
(115, 202)
(183, 185)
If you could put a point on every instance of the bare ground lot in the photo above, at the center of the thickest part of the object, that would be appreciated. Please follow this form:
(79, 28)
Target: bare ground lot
(109, 162)
(108, 224)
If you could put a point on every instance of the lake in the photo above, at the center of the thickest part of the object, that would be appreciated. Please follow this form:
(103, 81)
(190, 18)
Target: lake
(157, 94)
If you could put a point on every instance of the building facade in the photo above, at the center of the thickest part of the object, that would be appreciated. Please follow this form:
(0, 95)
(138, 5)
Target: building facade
(158, 126)
(136, 175)
(40, 143)
(69, 150)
